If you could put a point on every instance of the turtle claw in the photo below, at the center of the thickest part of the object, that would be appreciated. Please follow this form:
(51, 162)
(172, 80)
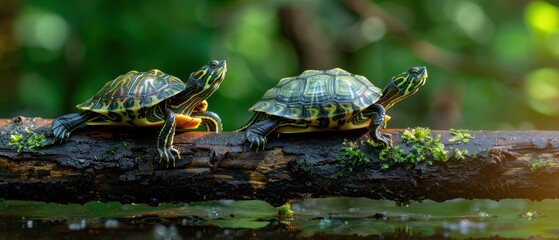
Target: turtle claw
(387, 138)
(256, 140)
(384, 140)
(168, 154)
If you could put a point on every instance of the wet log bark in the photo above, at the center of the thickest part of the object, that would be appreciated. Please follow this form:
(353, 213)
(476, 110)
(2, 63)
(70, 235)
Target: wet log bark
(121, 164)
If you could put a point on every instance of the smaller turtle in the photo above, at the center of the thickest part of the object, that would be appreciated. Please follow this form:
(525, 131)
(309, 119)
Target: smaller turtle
(329, 100)
(151, 99)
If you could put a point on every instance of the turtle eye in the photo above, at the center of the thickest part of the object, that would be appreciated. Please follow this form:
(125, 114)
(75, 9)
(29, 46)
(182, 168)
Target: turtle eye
(414, 70)
(214, 64)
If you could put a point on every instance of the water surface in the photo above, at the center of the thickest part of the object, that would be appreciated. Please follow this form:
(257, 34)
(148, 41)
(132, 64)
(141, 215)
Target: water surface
(330, 218)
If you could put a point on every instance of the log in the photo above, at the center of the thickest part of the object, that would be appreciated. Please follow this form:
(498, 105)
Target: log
(121, 164)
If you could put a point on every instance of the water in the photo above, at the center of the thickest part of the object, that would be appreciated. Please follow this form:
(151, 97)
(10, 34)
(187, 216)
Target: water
(331, 218)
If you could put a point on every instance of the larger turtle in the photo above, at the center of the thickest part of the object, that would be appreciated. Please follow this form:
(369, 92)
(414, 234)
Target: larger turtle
(329, 100)
(151, 99)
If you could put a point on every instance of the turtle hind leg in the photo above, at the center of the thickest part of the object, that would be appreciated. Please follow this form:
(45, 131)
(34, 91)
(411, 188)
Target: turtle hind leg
(257, 132)
(377, 122)
(257, 117)
(63, 126)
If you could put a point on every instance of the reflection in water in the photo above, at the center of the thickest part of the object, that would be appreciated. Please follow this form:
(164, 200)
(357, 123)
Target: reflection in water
(29, 224)
(77, 226)
(163, 232)
(111, 223)
(465, 226)
(212, 214)
(330, 218)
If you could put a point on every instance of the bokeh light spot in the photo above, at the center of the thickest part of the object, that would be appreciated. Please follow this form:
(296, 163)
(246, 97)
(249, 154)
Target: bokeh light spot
(39, 28)
(373, 29)
(469, 16)
(473, 21)
(542, 89)
(543, 16)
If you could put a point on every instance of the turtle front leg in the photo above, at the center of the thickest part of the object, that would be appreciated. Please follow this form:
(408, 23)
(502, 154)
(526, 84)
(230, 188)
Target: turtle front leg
(63, 126)
(210, 120)
(257, 132)
(377, 122)
(165, 139)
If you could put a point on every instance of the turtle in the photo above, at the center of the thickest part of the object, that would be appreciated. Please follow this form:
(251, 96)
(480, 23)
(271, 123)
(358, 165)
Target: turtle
(329, 100)
(151, 99)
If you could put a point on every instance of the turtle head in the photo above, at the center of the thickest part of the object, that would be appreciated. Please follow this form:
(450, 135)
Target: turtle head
(208, 77)
(200, 85)
(204, 82)
(403, 85)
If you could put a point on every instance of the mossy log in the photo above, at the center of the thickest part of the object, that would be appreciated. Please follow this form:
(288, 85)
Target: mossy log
(121, 164)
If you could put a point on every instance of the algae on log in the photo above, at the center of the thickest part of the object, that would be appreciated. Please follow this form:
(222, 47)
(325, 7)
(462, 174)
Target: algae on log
(121, 164)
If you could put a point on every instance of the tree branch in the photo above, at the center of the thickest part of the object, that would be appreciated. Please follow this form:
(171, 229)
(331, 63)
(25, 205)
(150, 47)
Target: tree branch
(119, 164)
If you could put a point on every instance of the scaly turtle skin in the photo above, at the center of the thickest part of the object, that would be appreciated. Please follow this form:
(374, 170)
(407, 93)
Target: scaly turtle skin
(329, 100)
(151, 99)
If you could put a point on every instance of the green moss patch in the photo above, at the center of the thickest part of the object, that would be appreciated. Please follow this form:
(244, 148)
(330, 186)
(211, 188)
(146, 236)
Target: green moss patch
(541, 166)
(461, 135)
(351, 157)
(28, 140)
(284, 211)
(460, 154)
(424, 149)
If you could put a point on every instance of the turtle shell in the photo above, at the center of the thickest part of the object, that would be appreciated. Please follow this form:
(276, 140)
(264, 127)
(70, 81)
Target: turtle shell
(325, 94)
(133, 91)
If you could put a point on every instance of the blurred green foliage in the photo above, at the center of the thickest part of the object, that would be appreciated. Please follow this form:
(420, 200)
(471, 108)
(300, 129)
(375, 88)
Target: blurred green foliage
(492, 64)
